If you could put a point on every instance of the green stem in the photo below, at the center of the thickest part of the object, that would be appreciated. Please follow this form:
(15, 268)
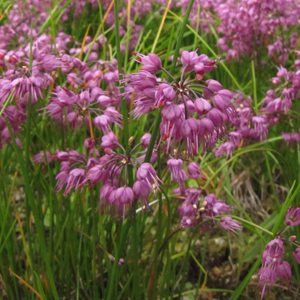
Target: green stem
(154, 134)
(254, 85)
(39, 225)
(123, 102)
(253, 225)
(176, 53)
(6, 102)
(288, 201)
(180, 36)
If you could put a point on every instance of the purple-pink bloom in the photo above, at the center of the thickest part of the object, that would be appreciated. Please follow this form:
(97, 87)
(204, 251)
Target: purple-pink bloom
(227, 223)
(202, 106)
(171, 112)
(95, 174)
(40, 157)
(125, 195)
(121, 262)
(147, 173)
(194, 171)
(177, 174)
(189, 60)
(272, 265)
(292, 217)
(187, 209)
(145, 140)
(89, 143)
(291, 137)
(296, 255)
(150, 62)
(164, 93)
(266, 275)
(103, 123)
(76, 176)
(213, 86)
(141, 190)
(283, 272)
(110, 141)
(273, 253)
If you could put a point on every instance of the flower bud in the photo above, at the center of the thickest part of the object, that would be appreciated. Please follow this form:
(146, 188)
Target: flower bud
(89, 143)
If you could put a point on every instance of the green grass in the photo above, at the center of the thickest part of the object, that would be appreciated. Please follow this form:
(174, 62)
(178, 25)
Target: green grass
(66, 248)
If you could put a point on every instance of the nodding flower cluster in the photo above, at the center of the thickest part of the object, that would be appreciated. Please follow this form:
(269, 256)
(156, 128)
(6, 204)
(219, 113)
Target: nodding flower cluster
(279, 101)
(273, 267)
(195, 210)
(276, 106)
(194, 112)
(111, 169)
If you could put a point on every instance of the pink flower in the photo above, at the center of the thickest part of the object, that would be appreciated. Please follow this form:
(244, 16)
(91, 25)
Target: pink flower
(147, 174)
(125, 195)
(217, 117)
(189, 60)
(110, 141)
(272, 265)
(273, 253)
(171, 112)
(95, 174)
(202, 106)
(103, 122)
(187, 209)
(296, 255)
(283, 272)
(292, 217)
(150, 62)
(76, 176)
(89, 143)
(142, 190)
(145, 140)
(177, 174)
(165, 93)
(227, 223)
(227, 147)
(62, 178)
(194, 171)
(38, 158)
(213, 86)
(266, 275)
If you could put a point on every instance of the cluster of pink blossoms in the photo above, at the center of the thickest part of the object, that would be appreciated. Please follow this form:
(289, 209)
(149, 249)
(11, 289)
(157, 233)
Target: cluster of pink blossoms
(194, 116)
(194, 112)
(281, 99)
(248, 26)
(251, 25)
(195, 210)
(190, 119)
(110, 169)
(249, 127)
(277, 105)
(273, 267)
(26, 82)
(17, 28)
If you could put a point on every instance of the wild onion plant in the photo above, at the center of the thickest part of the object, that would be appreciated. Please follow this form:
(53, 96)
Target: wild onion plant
(132, 154)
